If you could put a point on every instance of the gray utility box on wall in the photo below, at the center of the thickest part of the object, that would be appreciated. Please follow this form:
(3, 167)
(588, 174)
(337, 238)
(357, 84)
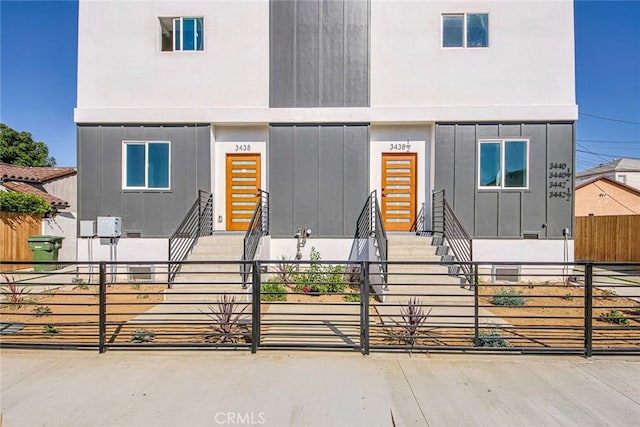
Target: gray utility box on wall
(109, 226)
(87, 228)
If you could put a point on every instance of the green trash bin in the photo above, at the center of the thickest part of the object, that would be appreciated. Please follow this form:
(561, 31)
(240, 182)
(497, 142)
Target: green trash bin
(45, 248)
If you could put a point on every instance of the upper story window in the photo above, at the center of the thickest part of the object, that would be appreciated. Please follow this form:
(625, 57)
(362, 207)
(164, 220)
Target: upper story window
(503, 163)
(146, 165)
(465, 30)
(182, 34)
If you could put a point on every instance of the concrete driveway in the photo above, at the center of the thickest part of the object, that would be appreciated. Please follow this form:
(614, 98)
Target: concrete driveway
(200, 388)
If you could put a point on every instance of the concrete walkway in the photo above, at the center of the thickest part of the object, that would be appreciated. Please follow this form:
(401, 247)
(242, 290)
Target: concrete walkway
(60, 388)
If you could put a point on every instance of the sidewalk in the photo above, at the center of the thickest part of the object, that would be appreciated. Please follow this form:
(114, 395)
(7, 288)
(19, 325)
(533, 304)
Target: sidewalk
(199, 388)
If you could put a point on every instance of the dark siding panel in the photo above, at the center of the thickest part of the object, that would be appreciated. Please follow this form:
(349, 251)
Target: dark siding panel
(488, 131)
(282, 31)
(203, 157)
(318, 177)
(510, 130)
(464, 178)
(319, 53)
(560, 150)
(445, 140)
(305, 176)
(111, 174)
(356, 174)
(509, 214)
(486, 214)
(332, 53)
(281, 184)
(534, 201)
(153, 213)
(89, 189)
(357, 54)
(307, 54)
(331, 179)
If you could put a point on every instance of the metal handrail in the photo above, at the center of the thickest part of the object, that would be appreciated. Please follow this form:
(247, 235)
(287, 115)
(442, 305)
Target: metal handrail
(370, 225)
(258, 227)
(446, 223)
(197, 222)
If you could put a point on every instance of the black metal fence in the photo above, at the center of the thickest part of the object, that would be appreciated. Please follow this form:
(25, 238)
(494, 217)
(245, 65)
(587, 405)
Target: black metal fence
(577, 308)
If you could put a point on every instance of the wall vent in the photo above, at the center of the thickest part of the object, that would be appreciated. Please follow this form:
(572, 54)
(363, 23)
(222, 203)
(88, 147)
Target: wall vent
(506, 273)
(534, 236)
(142, 273)
(134, 234)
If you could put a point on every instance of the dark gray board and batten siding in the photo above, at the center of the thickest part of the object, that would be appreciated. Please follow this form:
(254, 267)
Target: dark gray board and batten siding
(319, 53)
(318, 178)
(152, 213)
(507, 213)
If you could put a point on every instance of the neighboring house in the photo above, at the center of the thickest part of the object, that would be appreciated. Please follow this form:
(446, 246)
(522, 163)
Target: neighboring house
(626, 171)
(606, 196)
(321, 102)
(58, 186)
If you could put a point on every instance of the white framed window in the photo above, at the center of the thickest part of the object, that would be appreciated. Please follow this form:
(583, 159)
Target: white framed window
(503, 163)
(182, 34)
(146, 165)
(465, 30)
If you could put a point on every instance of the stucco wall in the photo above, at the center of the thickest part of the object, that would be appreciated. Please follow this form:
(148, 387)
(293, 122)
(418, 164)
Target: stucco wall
(604, 198)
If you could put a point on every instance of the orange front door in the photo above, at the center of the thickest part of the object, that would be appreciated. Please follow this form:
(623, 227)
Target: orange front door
(398, 191)
(243, 183)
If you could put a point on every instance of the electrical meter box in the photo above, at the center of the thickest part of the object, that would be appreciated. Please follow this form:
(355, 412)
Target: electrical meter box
(109, 226)
(87, 228)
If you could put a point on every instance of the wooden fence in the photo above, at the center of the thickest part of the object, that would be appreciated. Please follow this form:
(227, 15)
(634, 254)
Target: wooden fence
(608, 238)
(15, 228)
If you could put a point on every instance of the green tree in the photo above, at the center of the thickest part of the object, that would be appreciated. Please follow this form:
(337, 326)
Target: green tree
(19, 148)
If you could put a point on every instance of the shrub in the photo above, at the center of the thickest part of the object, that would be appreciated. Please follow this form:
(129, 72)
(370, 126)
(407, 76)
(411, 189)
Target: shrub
(491, 338)
(284, 271)
(508, 297)
(11, 201)
(351, 298)
(321, 279)
(273, 291)
(50, 330)
(413, 319)
(227, 316)
(614, 317)
(142, 335)
(41, 310)
(12, 293)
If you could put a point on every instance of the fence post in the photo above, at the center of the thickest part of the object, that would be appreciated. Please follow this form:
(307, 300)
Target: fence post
(364, 307)
(102, 310)
(588, 309)
(255, 306)
(476, 307)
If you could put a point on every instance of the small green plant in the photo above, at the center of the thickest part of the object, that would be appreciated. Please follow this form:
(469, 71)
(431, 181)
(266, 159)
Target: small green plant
(50, 329)
(135, 286)
(491, 338)
(227, 316)
(614, 317)
(351, 298)
(142, 335)
(82, 286)
(12, 293)
(142, 296)
(413, 319)
(608, 293)
(273, 291)
(510, 297)
(284, 271)
(41, 310)
(352, 276)
(568, 297)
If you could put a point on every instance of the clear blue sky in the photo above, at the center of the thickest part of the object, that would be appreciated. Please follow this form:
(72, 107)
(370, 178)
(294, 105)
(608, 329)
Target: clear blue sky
(38, 76)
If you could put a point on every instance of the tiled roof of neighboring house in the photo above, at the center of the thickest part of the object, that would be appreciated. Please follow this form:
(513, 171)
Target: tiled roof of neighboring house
(33, 174)
(23, 179)
(588, 181)
(23, 187)
(619, 165)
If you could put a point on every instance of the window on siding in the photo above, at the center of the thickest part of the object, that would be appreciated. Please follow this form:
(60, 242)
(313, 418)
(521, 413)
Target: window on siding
(465, 30)
(146, 165)
(503, 163)
(182, 34)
